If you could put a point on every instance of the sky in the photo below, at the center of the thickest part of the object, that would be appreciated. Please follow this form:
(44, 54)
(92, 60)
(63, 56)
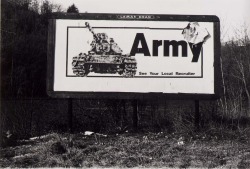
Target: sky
(232, 13)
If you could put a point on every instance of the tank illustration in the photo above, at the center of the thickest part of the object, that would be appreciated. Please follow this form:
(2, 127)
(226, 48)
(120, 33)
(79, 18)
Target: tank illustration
(104, 56)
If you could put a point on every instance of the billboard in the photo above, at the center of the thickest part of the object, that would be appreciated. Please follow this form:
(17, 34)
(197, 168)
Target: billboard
(92, 55)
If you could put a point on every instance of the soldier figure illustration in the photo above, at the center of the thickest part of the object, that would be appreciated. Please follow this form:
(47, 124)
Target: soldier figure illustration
(196, 36)
(105, 56)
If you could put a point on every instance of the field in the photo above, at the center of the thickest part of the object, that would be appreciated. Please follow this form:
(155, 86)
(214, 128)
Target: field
(212, 149)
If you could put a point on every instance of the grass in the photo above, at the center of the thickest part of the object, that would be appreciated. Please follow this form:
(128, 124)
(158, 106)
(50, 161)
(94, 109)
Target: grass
(130, 150)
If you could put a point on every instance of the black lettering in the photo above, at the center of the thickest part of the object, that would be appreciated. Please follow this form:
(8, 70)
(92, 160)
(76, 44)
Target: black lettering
(175, 45)
(156, 44)
(140, 38)
(196, 50)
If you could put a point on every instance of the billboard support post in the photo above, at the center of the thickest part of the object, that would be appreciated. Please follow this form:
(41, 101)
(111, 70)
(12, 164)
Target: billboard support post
(135, 114)
(197, 115)
(70, 115)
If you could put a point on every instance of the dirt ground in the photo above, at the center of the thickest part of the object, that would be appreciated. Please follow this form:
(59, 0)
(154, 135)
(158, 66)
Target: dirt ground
(129, 150)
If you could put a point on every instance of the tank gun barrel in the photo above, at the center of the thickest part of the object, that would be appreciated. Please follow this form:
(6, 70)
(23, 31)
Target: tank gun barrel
(91, 30)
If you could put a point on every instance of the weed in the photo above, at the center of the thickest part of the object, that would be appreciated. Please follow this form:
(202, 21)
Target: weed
(58, 148)
(128, 150)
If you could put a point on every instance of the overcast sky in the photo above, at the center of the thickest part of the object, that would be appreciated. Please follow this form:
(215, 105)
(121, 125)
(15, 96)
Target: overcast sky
(233, 13)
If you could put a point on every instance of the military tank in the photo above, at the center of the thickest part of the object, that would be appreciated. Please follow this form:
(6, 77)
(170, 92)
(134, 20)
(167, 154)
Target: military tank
(104, 56)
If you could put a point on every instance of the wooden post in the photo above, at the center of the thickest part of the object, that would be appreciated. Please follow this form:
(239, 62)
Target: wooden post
(135, 114)
(197, 115)
(70, 115)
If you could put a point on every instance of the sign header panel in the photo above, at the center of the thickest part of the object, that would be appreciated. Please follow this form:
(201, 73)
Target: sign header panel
(133, 54)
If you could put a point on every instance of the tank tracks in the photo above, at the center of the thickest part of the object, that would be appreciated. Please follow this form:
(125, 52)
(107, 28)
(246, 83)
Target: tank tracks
(130, 67)
(126, 69)
(79, 67)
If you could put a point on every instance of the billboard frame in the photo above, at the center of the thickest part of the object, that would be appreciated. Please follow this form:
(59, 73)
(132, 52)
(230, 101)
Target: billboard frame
(131, 95)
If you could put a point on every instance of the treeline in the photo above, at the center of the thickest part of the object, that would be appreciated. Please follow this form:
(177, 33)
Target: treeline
(24, 46)
(235, 73)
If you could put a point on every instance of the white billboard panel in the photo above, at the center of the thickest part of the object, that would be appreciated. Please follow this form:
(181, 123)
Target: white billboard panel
(138, 56)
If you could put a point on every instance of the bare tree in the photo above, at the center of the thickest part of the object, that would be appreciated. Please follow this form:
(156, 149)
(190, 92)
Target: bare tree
(235, 68)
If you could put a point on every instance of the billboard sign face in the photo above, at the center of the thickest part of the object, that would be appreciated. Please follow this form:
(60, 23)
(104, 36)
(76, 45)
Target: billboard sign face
(125, 54)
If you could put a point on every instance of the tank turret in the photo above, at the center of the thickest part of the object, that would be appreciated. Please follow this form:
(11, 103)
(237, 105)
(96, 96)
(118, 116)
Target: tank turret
(101, 44)
(105, 56)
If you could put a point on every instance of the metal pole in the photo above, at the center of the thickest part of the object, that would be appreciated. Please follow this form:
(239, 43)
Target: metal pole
(197, 115)
(135, 114)
(70, 115)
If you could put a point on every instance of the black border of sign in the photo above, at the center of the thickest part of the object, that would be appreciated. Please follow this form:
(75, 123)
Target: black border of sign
(201, 76)
(131, 95)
